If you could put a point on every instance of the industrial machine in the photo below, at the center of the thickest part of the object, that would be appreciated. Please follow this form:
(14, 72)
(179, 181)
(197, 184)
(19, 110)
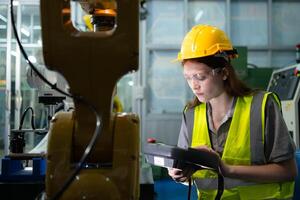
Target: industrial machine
(285, 83)
(22, 169)
(174, 157)
(92, 153)
(20, 164)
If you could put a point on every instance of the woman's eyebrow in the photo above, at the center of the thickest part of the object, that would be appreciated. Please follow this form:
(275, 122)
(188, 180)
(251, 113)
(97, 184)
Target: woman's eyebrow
(200, 73)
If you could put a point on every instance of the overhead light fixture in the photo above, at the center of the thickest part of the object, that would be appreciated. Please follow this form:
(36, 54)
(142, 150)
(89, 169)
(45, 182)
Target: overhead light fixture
(16, 3)
(25, 32)
(199, 15)
(39, 41)
(3, 18)
(32, 59)
(13, 53)
(130, 83)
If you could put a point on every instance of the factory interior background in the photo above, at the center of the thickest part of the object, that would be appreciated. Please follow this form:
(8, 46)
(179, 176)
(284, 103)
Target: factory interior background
(266, 34)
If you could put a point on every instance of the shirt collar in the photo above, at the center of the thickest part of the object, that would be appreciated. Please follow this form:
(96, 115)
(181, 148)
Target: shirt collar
(227, 116)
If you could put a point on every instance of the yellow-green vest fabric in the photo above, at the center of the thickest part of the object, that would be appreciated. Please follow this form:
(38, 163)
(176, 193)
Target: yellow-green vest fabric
(237, 151)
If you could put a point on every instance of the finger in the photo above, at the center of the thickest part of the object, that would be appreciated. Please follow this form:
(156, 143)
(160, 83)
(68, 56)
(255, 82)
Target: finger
(207, 149)
(189, 172)
(182, 179)
(203, 148)
(173, 171)
(178, 171)
(176, 176)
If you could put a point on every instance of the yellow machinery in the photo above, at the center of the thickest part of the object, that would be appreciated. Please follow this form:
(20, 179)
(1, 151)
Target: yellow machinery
(92, 62)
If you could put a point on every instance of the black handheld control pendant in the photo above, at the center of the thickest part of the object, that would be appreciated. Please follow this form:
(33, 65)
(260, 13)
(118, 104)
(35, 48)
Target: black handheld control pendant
(169, 156)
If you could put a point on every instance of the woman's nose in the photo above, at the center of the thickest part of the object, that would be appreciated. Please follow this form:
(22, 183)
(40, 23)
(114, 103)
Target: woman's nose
(195, 84)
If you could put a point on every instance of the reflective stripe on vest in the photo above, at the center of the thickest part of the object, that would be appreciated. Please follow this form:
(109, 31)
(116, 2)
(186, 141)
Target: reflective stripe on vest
(241, 141)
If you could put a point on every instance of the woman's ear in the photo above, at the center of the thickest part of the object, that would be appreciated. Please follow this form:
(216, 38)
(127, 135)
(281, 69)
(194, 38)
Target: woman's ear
(225, 74)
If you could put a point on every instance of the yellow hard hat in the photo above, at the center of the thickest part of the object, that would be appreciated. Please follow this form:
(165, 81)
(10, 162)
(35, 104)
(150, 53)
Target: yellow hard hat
(205, 40)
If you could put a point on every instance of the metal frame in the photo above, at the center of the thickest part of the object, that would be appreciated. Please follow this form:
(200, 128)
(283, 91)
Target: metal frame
(8, 91)
(8, 86)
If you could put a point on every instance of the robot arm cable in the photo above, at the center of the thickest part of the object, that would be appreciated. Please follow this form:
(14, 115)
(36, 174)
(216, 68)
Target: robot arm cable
(98, 128)
(83, 159)
(23, 117)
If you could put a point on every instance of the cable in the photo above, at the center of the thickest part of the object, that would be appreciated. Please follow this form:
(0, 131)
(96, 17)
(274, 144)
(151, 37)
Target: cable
(23, 117)
(190, 189)
(59, 107)
(83, 159)
(53, 86)
(99, 125)
(252, 65)
(220, 186)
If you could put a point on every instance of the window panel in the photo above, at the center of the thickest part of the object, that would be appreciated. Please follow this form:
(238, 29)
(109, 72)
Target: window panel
(259, 58)
(30, 26)
(168, 91)
(3, 23)
(249, 24)
(165, 22)
(36, 36)
(207, 12)
(2, 65)
(283, 58)
(286, 23)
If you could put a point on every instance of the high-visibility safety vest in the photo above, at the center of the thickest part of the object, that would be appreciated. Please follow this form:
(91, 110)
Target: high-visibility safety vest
(244, 146)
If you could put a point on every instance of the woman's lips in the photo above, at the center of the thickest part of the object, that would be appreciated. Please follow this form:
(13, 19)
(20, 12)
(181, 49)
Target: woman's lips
(199, 94)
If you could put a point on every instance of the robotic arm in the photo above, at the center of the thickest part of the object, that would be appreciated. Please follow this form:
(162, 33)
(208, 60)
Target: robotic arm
(102, 14)
(92, 62)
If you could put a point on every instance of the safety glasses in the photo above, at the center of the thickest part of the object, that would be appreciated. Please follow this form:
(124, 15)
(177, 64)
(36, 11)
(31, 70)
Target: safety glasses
(200, 77)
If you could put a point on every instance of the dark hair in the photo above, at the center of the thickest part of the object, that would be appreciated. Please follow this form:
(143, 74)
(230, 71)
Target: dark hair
(233, 85)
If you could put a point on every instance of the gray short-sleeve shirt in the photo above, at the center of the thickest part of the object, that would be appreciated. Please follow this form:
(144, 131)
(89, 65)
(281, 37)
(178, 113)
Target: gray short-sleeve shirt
(279, 145)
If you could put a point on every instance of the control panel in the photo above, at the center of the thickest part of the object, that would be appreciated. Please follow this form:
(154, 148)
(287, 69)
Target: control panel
(284, 83)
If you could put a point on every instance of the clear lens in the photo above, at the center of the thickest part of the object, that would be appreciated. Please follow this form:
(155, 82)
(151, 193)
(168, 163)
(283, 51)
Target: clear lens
(200, 77)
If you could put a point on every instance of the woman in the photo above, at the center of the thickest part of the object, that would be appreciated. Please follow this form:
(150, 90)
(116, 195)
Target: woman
(243, 126)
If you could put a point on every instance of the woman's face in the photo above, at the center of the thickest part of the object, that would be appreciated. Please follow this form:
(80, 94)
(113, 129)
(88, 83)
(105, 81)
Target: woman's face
(205, 82)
